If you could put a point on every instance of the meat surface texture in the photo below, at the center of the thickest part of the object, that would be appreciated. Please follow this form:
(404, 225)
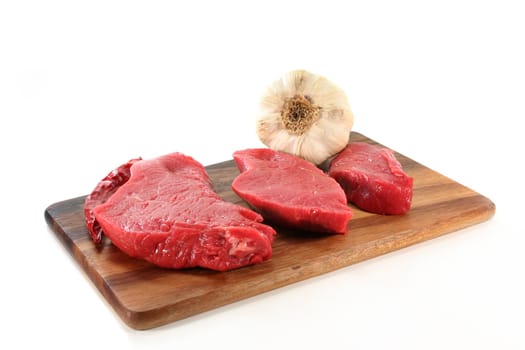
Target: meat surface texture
(165, 211)
(101, 194)
(373, 179)
(291, 191)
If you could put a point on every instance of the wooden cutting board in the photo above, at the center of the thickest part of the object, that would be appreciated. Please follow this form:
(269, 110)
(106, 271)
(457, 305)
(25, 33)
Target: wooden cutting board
(146, 296)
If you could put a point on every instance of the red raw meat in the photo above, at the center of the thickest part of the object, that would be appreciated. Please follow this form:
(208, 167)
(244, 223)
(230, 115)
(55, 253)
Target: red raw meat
(373, 179)
(101, 194)
(165, 211)
(291, 191)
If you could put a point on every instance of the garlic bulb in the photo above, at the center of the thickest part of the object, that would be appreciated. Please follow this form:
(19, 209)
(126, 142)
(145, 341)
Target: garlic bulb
(305, 115)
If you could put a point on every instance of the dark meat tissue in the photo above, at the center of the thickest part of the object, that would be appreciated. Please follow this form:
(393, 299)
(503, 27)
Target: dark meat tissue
(373, 179)
(291, 191)
(165, 211)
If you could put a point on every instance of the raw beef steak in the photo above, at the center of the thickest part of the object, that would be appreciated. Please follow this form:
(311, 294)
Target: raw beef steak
(291, 191)
(166, 212)
(372, 178)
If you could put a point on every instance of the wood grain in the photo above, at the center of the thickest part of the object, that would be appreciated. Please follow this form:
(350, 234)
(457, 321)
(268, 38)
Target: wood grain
(146, 296)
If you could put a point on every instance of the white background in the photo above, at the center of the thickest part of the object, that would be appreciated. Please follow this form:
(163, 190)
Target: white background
(85, 86)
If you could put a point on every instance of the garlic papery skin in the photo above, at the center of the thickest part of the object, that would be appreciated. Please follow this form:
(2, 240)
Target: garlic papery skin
(306, 115)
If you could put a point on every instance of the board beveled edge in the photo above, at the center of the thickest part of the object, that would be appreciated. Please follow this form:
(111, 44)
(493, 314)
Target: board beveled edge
(129, 317)
(152, 318)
